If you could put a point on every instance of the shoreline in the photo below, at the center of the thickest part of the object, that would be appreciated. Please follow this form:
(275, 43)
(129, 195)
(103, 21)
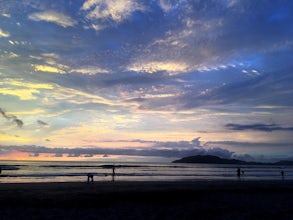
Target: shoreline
(149, 200)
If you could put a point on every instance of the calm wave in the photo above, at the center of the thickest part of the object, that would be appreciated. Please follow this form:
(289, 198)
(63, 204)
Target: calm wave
(35, 171)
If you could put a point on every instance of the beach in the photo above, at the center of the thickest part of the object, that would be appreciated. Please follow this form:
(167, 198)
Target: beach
(148, 200)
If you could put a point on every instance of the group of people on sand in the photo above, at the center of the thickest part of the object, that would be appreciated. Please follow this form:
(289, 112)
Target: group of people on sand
(241, 172)
(90, 176)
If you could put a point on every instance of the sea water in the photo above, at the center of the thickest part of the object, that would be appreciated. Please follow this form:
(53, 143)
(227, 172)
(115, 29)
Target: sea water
(44, 171)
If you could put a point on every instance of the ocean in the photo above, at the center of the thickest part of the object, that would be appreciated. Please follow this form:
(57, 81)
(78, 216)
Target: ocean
(44, 171)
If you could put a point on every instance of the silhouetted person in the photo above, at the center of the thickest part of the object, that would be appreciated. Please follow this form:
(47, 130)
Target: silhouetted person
(238, 172)
(113, 173)
(282, 174)
(90, 178)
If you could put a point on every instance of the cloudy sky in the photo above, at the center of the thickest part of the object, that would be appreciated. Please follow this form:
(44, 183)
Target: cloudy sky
(147, 80)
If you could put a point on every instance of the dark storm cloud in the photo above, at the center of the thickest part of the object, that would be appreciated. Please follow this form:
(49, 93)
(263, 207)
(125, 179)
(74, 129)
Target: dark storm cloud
(258, 127)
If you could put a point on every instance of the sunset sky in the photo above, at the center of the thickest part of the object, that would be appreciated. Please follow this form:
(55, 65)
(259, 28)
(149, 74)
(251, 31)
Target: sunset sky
(146, 80)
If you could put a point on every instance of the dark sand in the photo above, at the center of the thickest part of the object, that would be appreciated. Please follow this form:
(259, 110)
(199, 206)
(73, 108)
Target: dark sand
(148, 200)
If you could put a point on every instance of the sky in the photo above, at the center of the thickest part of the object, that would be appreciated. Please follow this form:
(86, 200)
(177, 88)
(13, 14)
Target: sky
(146, 80)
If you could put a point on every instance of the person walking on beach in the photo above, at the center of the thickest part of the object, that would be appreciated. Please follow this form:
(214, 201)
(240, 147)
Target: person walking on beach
(90, 178)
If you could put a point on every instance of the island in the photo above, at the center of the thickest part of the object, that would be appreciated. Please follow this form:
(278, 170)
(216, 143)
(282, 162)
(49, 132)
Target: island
(210, 159)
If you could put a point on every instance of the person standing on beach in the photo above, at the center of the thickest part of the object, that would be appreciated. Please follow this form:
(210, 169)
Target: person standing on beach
(282, 174)
(238, 172)
(113, 173)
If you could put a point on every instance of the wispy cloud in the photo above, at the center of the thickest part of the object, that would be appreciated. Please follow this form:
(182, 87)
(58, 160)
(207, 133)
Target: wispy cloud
(100, 12)
(42, 123)
(22, 89)
(22, 94)
(156, 66)
(50, 69)
(258, 127)
(4, 33)
(6, 15)
(166, 5)
(17, 121)
(24, 84)
(89, 70)
(53, 17)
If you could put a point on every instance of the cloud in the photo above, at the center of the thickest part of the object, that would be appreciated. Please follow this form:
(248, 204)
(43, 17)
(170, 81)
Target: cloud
(258, 127)
(6, 15)
(172, 149)
(22, 89)
(43, 124)
(73, 155)
(151, 60)
(8, 55)
(156, 148)
(3, 114)
(153, 67)
(58, 155)
(4, 33)
(17, 121)
(100, 12)
(165, 5)
(50, 69)
(54, 17)
(248, 145)
(34, 155)
(89, 70)
(252, 91)
(23, 94)
(24, 84)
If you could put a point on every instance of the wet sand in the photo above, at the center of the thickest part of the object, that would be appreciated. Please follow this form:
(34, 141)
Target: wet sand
(148, 200)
